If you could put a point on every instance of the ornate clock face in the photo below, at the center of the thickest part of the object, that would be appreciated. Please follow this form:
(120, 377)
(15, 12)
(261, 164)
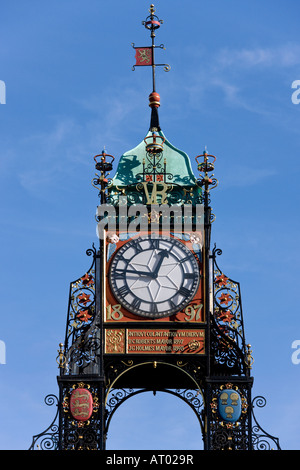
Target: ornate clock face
(154, 277)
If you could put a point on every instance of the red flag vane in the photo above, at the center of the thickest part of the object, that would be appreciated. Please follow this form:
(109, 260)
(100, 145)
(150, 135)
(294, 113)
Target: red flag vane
(145, 55)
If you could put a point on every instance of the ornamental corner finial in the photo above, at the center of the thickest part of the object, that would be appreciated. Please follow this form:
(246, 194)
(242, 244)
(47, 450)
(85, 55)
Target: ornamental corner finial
(61, 359)
(249, 360)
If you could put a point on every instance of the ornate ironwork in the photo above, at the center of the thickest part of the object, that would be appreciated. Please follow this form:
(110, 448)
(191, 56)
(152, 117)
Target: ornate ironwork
(261, 440)
(82, 340)
(49, 438)
(78, 434)
(227, 438)
(117, 397)
(228, 339)
(104, 164)
(152, 23)
(206, 166)
(173, 194)
(229, 434)
(115, 368)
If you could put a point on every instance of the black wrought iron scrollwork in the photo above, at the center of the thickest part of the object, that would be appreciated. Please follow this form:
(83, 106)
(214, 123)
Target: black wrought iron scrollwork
(48, 439)
(229, 439)
(82, 342)
(117, 397)
(83, 354)
(82, 300)
(194, 399)
(114, 399)
(228, 342)
(261, 440)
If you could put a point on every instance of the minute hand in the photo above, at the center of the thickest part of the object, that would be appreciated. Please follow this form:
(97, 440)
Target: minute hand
(132, 271)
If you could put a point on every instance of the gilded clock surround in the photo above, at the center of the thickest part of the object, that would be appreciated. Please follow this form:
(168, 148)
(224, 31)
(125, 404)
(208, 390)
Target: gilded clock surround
(154, 276)
(189, 304)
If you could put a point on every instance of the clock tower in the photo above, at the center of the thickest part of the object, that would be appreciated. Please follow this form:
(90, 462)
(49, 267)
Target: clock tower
(154, 312)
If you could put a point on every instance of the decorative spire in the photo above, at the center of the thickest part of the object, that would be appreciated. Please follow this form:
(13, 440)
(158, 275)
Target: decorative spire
(145, 56)
(206, 181)
(104, 165)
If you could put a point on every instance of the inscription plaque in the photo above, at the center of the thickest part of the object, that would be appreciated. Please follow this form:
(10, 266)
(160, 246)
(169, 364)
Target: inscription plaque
(158, 341)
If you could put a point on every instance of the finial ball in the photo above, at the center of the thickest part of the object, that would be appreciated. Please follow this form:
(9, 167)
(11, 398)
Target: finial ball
(154, 100)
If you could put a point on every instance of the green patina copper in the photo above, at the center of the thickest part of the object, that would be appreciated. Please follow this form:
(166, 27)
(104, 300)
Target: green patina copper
(173, 168)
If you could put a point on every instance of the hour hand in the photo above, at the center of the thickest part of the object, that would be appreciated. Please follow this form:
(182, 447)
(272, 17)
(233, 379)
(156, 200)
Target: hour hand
(163, 254)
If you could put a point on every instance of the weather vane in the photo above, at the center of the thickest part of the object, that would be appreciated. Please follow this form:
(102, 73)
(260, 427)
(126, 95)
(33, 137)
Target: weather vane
(145, 55)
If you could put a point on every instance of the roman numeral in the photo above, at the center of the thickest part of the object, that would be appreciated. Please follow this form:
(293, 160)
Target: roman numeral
(154, 243)
(189, 275)
(153, 307)
(136, 303)
(119, 274)
(184, 291)
(172, 305)
(123, 291)
(138, 247)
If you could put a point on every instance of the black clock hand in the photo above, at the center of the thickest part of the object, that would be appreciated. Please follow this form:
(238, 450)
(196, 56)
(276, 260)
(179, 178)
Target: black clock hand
(132, 271)
(163, 254)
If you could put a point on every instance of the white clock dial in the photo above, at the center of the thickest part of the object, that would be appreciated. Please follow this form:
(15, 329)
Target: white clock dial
(154, 277)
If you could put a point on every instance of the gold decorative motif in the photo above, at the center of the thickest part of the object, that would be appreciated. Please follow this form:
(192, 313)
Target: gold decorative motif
(159, 189)
(154, 216)
(193, 345)
(224, 398)
(145, 55)
(115, 341)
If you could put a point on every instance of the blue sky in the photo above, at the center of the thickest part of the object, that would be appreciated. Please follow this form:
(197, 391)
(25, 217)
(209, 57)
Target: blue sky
(70, 91)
